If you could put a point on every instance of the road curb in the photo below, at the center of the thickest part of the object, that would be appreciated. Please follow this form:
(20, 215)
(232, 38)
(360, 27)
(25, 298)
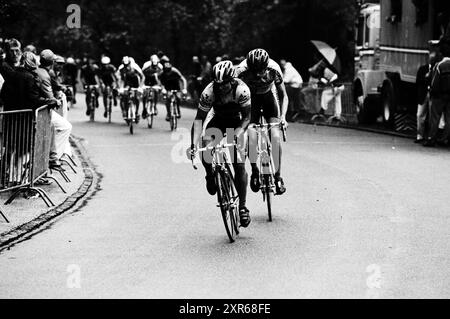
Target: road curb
(360, 128)
(34, 226)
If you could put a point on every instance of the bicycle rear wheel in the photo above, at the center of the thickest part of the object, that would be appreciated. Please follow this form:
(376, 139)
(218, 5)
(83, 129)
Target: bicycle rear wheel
(109, 109)
(92, 108)
(151, 115)
(227, 207)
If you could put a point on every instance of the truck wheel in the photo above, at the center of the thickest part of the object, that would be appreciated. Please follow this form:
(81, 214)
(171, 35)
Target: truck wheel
(368, 110)
(389, 106)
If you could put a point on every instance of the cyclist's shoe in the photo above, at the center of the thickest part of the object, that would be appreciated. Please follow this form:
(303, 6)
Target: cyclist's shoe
(211, 185)
(105, 114)
(144, 114)
(279, 186)
(115, 102)
(167, 118)
(138, 118)
(156, 111)
(255, 183)
(88, 112)
(179, 115)
(244, 216)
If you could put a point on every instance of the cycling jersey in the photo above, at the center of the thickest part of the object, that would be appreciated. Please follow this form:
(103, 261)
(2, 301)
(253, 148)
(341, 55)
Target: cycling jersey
(261, 85)
(171, 79)
(229, 106)
(107, 74)
(89, 72)
(151, 73)
(131, 77)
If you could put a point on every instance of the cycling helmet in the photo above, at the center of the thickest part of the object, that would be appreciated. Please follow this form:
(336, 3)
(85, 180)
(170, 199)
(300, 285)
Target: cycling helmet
(223, 71)
(60, 59)
(70, 61)
(165, 59)
(126, 60)
(106, 60)
(154, 59)
(257, 60)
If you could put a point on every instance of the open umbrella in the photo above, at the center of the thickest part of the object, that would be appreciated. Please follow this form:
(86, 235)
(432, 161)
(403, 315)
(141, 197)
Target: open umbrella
(329, 54)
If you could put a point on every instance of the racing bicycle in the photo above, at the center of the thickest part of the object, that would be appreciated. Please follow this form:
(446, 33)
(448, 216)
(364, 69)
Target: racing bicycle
(91, 92)
(130, 100)
(265, 160)
(150, 101)
(227, 196)
(174, 113)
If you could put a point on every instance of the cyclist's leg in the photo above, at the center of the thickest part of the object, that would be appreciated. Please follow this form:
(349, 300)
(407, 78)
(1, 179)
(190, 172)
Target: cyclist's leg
(253, 143)
(178, 104)
(168, 108)
(272, 114)
(241, 176)
(213, 136)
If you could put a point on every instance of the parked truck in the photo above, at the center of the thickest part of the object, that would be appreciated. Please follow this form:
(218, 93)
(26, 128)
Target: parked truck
(394, 39)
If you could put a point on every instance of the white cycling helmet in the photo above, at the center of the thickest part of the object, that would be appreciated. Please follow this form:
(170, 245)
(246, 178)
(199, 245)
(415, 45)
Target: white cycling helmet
(70, 61)
(106, 60)
(154, 59)
(223, 70)
(126, 60)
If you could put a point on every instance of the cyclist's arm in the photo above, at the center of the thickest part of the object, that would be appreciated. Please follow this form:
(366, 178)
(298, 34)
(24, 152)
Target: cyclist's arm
(204, 106)
(245, 121)
(281, 89)
(197, 127)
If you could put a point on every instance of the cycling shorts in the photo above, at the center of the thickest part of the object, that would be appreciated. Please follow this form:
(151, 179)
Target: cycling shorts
(269, 103)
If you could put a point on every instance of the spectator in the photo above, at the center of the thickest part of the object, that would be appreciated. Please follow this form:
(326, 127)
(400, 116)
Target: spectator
(12, 58)
(196, 78)
(293, 81)
(21, 90)
(423, 83)
(61, 127)
(440, 96)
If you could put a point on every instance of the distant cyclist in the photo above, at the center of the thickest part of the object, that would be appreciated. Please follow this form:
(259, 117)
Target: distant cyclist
(89, 76)
(108, 78)
(265, 80)
(152, 69)
(131, 76)
(230, 101)
(172, 80)
(70, 71)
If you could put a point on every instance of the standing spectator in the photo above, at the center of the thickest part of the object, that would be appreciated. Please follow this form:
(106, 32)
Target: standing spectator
(21, 90)
(440, 96)
(12, 58)
(293, 81)
(423, 84)
(61, 127)
(196, 78)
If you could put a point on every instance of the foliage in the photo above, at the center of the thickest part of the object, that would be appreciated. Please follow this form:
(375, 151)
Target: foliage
(182, 28)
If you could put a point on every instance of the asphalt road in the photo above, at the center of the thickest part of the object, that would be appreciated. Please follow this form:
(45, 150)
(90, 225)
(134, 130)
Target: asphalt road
(365, 216)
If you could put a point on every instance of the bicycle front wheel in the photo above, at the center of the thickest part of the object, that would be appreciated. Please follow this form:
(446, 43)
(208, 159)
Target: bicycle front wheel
(227, 206)
(268, 194)
(92, 108)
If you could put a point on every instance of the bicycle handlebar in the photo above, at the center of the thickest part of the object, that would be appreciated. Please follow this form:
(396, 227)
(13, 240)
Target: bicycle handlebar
(211, 148)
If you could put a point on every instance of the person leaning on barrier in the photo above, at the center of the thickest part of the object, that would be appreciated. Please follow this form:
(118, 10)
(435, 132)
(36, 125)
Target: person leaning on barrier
(21, 90)
(61, 127)
(440, 97)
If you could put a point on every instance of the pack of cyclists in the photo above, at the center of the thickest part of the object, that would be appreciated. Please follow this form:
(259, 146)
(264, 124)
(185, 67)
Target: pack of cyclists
(238, 96)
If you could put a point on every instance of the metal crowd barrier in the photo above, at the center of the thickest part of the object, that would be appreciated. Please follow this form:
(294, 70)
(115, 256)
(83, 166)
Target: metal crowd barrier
(25, 147)
(329, 103)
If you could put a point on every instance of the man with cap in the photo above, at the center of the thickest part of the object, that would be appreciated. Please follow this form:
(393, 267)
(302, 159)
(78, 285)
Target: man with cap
(61, 127)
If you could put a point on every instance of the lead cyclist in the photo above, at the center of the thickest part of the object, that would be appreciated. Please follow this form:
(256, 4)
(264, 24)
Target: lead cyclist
(265, 80)
(228, 100)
